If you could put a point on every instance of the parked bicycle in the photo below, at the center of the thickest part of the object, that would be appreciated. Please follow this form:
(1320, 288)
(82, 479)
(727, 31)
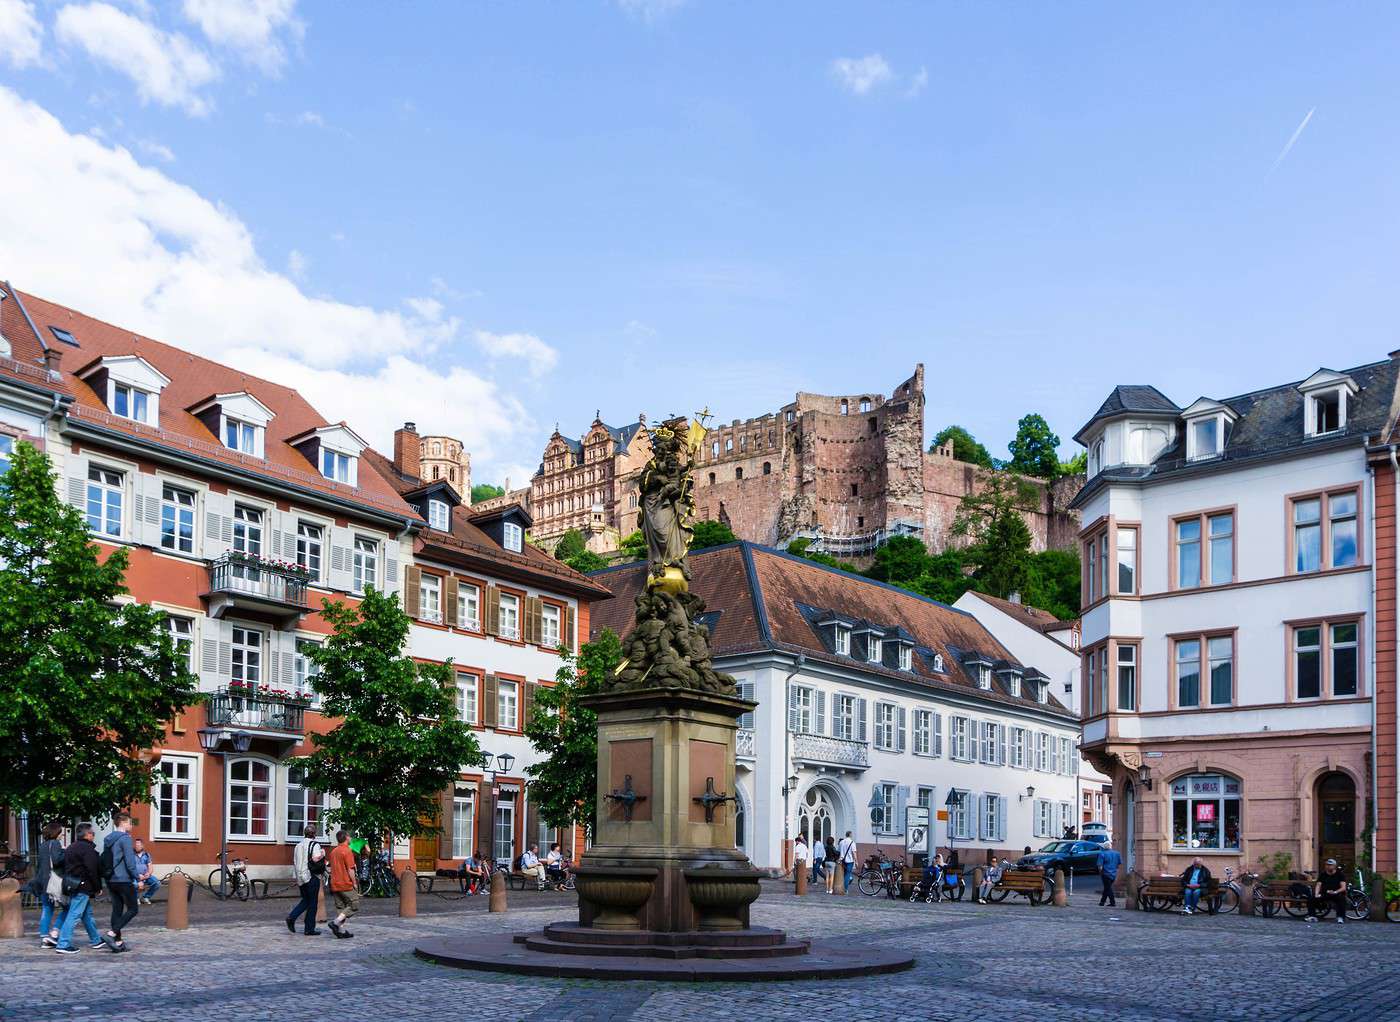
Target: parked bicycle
(376, 876)
(1227, 896)
(881, 874)
(230, 880)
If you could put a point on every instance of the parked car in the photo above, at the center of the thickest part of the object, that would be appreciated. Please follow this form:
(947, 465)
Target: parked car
(1094, 831)
(1071, 856)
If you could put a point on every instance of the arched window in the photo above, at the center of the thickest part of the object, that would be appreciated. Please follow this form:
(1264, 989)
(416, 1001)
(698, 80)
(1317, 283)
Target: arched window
(249, 798)
(712, 477)
(452, 475)
(845, 407)
(739, 473)
(1206, 812)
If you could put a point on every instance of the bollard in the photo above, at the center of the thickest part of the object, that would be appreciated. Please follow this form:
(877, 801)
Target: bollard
(977, 877)
(1378, 898)
(840, 878)
(322, 896)
(1130, 892)
(11, 914)
(1246, 898)
(497, 901)
(1061, 897)
(177, 901)
(408, 894)
(801, 873)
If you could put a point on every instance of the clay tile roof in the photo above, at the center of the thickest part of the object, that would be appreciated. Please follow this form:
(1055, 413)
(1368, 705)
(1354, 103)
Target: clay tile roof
(25, 362)
(765, 599)
(192, 380)
(1031, 617)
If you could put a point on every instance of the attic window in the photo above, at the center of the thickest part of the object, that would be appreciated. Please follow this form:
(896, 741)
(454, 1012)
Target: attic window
(1042, 692)
(512, 536)
(131, 402)
(1204, 438)
(242, 436)
(63, 335)
(438, 515)
(337, 466)
(841, 640)
(938, 663)
(875, 649)
(1328, 411)
(984, 676)
(906, 657)
(1015, 685)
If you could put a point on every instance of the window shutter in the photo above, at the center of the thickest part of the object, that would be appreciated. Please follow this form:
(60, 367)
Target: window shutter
(342, 564)
(530, 626)
(1001, 819)
(412, 577)
(973, 727)
(527, 699)
(746, 692)
(792, 708)
(901, 802)
(391, 566)
(444, 821)
(903, 733)
(450, 601)
(821, 713)
(146, 518)
(493, 611)
(489, 709)
(1001, 745)
(860, 719)
(532, 824)
(569, 629)
(983, 831)
(218, 530)
(938, 734)
(77, 473)
(485, 820)
(209, 659)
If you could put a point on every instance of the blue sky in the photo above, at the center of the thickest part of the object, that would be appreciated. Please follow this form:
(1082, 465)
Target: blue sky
(489, 217)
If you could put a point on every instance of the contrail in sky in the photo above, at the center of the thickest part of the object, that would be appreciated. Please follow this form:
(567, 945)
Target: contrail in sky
(1288, 147)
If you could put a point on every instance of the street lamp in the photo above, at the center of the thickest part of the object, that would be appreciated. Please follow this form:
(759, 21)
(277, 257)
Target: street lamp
(210, 740)
(789, 787)
(1145, 776)
(493, 765)
(506, 761)
(952, 802)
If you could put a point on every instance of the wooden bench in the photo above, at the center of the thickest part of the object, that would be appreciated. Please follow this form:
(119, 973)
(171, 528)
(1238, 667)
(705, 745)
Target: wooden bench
(1292, 896)
(1030, 883)
(1161, 893)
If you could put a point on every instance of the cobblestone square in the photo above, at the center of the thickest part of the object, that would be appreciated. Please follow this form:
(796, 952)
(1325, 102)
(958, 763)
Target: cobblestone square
(1002, 962)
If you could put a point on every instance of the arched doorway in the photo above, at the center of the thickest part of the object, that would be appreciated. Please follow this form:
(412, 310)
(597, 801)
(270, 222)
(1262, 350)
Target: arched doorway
(1336, 820)
(817, 815)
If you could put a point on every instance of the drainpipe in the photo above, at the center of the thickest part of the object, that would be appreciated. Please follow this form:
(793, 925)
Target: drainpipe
(1375, 698)
(797, 664)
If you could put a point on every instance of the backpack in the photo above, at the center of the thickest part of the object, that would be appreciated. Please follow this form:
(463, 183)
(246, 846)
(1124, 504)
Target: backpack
(314, 865)
(105, 865)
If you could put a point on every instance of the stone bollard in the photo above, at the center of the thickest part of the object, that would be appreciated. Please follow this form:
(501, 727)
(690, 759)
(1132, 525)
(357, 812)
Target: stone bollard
(323, 895)
(977, 877)
(1130, 892)
(1246, 897)
(177, 902)
(840, 878)
(800, 870)
(1378, 898)
(1061, 896)
(497, 901)
(408, 894)
(11, 914)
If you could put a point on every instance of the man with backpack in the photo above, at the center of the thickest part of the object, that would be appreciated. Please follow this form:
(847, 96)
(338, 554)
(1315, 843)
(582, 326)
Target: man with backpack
(120, 870)
(308, 866)
(82, 881)
(846, 852)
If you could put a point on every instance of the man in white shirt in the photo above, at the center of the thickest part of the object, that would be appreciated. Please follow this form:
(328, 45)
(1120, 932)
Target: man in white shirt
(846, 856)
(801, 855)
(530, 863)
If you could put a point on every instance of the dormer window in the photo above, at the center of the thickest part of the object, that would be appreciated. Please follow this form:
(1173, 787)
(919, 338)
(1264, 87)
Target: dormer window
(1042, 692)
(938, 663)
(906, 657)
(238, 419)
(1326, 396)
(841, 640)
(1015, 686)
(513, 537)
(243, 437)
(984, 676)
(875, 649)
(128, 385)
(1205, 438)
(1327, 412)
(335, 466)
(130, 403)
(334, 450)
(438, 515)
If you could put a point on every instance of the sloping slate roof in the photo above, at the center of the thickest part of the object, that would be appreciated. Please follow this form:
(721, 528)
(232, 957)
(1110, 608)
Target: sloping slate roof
(1269, 424)
(759, 593)
(194, 379)
(1136, 397)
(623, 436)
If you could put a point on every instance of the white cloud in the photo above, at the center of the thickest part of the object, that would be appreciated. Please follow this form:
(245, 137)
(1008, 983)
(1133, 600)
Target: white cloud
(21, 34)
(166, 67)
(251, 28)
(917, 84)
(296, 264)
(650, 10)
(150, 147)
(540, 356)
(161, 259)
(861, 74)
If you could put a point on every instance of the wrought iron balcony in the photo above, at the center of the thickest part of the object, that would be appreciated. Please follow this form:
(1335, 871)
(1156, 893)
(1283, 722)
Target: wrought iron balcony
(256, 711)
(825, 751)
(744, 743)
(245, 582)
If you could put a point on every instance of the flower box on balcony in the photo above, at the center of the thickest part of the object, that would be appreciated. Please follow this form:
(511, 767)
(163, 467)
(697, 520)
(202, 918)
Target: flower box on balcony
(259, 562)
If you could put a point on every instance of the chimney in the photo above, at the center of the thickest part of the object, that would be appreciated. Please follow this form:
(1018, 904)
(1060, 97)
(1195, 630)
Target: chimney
(408, 450)
(52, 359)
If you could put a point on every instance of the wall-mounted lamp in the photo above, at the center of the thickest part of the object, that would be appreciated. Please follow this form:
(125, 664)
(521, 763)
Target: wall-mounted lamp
(1030, 793)
(1145, 776)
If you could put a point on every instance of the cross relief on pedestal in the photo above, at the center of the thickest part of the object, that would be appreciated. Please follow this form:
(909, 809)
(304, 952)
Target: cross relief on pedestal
(712, 799)
(627, 798)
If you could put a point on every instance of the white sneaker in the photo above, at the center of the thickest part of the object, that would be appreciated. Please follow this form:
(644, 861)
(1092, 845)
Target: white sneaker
(1340, 919)
(1310, 919)
(1186, 911)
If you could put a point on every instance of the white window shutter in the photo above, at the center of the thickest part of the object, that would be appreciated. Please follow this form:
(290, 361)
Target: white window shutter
(901, 802)
(391, 566)
(938, 734)
(792, 708)
(147, 516)
(76, 467)
(209, 658)
(342, 544)
(1001, 819)
(973, 727)
(218, 527)
(861, 708)
(1001, 745)
(821, 712)
(903, 730)
(746, 692)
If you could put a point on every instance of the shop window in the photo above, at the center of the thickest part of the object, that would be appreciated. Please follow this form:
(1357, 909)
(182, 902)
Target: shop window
(1206, 812)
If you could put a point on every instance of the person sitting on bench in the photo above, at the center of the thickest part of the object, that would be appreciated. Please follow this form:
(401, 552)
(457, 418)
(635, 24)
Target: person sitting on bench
(1331, 893)
(989, 880)
(1195, 879)
(554, 866)
(530, 863)
(472, 873)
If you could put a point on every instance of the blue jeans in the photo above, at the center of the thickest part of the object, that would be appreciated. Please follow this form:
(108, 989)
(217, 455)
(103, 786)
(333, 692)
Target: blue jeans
(850, 868)
(817, 869)
(310, 891)
(1192, 898)
(79, 908)
(50, 915)
(147, 888)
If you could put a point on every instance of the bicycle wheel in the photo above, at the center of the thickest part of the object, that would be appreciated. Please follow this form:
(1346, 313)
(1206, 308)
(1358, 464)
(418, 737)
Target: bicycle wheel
(220, 883)
(242, 887)
(569, 882)
(998, 896)
(1298, 911)
(1226, 900)
(1358, 905)
(870, 882)
(1392, 911)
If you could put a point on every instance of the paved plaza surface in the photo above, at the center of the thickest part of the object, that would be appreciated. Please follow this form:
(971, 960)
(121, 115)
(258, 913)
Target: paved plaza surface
(1000, 963)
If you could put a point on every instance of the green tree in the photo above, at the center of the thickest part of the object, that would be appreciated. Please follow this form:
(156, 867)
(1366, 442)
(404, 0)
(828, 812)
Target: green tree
(900, 560)
(709, 533)
(88, 682)
(1076, 466)
(564, 783)
(965, 446)
(944, 578)
(570, 544)
(485, 491)
(992, 519)
(399, 742)
(1052, 583)
(634, 546)
(1035, 450)
(586, 560)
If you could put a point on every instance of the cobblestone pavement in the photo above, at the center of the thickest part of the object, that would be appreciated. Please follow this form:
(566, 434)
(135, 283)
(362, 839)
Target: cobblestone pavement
(1003, 963)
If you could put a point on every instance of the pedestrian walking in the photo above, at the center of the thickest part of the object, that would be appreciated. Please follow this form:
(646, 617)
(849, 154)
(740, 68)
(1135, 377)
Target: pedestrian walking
(831, 864)
(82, 881)
(119, 867)
(47, 885)
(147, 883)
(818, 858)
(1109, 862)
(801, 855)
(343, 889)
(847, 853)
(308, 866)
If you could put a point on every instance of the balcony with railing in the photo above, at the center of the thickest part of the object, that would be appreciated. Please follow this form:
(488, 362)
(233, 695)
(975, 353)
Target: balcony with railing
(243, 709)
(825, 751)
(241, 582)
(744, 743)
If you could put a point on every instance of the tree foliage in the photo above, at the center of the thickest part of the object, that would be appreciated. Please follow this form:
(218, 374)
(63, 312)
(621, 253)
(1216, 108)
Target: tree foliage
(992, 518)
(965, 446)
(634, 546)
(1035, 450)
(87, 683)
(586, 560)
(708, 533)
(399, 743)
(563, 784)
(1076, 466)
(1052, 583)
(485, 491)
(571, 544)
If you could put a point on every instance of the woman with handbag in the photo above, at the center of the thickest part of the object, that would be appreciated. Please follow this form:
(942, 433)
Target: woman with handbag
(82, 881)
(47, 884)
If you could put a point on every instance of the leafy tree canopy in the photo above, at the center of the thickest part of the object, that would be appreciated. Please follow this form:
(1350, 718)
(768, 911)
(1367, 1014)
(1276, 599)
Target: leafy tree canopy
(399, 743)
(1076, 466)
(570, 545)
(992, 518)
(1052, 583)
(88, 683)
(709, 533)
(485, 491)
(563, 784)
(634, 546)
(586, 561)
(900, 560)
(1034, 451)
(965, 446)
